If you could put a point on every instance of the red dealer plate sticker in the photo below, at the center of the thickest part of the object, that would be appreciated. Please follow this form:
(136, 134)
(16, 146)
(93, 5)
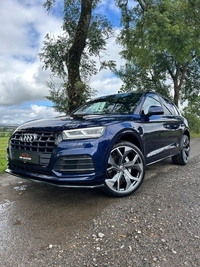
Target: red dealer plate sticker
(25, 157)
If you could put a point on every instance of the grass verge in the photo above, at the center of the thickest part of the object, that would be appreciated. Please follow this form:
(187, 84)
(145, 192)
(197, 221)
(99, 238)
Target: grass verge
(3, 154)
(194, 135)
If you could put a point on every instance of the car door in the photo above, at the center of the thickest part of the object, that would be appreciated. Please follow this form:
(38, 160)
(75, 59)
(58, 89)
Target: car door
(152, 127)
(162, 132)
(172, 132)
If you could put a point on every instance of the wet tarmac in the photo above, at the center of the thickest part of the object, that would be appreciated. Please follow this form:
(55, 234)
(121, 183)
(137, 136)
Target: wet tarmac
(33, 216)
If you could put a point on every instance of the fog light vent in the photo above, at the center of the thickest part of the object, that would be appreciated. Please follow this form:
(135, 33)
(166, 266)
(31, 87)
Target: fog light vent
(74, 164)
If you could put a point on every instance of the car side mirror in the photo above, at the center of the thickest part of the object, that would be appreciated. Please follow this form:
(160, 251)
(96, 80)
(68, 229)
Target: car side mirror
(155, 110)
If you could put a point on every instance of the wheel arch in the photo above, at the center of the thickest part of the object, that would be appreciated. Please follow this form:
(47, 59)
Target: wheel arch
(126, 135)
(186, 132)
(132, 137)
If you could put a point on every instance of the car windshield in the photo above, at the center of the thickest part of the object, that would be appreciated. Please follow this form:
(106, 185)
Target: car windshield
(112, 104)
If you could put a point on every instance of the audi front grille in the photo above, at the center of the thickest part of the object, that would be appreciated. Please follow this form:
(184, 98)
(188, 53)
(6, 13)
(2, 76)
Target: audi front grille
(41, 143)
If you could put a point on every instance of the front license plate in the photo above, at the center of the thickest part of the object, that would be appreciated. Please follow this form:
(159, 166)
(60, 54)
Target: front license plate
(25, 157)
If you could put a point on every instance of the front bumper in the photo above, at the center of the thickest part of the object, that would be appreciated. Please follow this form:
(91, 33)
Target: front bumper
(72, 164)
(84, 182)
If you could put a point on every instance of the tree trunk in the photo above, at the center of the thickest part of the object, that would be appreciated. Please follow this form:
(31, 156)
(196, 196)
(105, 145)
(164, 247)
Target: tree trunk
(75, 87)
(178, 79)
(176, 94)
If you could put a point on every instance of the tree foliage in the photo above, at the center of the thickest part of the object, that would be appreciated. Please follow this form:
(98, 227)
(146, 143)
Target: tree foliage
(194, 122)
(194, 107)
(69, 56)
(192, 114)
(161, 40)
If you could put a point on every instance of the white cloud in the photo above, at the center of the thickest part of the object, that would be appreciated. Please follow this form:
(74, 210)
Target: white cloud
(19, 84)
(15, 115)
(105, 84)
(23, 25)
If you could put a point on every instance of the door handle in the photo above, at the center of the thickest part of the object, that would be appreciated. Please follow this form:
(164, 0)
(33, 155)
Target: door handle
(167, 126)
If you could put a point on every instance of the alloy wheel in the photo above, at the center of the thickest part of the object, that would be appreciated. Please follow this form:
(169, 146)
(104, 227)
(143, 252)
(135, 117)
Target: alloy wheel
(126, 169)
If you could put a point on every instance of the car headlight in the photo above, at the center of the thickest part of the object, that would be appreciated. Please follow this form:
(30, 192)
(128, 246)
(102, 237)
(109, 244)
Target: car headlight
(84, 133)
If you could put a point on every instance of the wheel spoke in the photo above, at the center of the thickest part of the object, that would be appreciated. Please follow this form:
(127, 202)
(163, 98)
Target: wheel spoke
(121, 156)
(186, 144)
(137, 166)
(131, 163)
(113, 164)
(186, 154)
(118, 181)
(129, 177)
(115, 179)
(186, 149)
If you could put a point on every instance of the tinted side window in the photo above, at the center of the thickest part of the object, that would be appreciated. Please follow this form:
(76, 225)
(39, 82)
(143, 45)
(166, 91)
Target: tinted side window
(151, 100)
(169, 107)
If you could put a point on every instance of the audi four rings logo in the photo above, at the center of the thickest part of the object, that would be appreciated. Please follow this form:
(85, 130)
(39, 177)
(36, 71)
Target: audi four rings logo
(28, 137)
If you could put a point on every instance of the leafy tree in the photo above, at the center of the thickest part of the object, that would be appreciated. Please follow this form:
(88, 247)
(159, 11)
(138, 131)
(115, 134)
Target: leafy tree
(192, 114)
(161, 40)
(193, 121)
(69, 56)
(194, 107)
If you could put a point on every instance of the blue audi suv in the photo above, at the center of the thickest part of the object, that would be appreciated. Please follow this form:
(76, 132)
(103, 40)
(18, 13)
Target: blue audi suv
(107, 142)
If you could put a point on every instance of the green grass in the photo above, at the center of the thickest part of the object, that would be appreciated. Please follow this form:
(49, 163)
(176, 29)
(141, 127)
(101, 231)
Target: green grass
(194, 135)
(3, 154)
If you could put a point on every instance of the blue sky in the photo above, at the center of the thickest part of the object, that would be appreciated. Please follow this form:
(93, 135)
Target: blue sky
(23, 25)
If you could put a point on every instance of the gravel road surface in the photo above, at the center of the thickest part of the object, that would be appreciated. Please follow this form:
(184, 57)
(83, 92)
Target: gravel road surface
(158, 225)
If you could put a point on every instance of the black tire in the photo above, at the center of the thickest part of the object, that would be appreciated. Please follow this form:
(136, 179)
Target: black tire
(183, 157)
(125, 170)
